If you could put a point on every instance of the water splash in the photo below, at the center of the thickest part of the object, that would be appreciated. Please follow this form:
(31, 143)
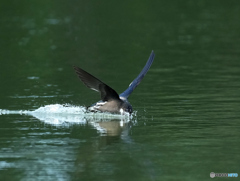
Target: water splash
(58, 114)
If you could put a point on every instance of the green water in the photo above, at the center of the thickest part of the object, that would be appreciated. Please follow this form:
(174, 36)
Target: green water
(187, 107)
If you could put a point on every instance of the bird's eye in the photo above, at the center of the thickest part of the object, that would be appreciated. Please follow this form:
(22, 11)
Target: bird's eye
(129, 109)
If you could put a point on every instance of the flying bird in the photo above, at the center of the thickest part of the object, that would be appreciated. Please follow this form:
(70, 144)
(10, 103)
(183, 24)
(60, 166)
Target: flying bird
(110, 100)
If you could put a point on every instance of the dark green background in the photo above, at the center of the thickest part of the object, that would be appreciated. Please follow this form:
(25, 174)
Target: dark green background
(187, 122)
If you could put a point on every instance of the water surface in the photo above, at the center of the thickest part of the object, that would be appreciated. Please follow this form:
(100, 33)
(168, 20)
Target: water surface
(186, 119)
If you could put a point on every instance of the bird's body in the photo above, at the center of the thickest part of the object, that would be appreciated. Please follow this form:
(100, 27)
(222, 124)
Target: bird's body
(110, 100)
(113, 106)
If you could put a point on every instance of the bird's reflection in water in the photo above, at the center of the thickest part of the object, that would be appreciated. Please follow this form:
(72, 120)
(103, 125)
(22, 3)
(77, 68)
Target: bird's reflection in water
(111, 127)
(115, 130)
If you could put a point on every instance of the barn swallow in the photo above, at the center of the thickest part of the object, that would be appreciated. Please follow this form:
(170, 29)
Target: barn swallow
(110, 100)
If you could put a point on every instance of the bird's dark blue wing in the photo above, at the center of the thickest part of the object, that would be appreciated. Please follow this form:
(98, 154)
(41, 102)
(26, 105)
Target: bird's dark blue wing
(136, 81)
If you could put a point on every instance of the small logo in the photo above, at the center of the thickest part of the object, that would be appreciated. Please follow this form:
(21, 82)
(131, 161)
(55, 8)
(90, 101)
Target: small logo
(212, 174)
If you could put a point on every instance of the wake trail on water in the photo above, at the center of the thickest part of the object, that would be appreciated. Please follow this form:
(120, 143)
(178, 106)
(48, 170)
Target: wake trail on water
(59, 114)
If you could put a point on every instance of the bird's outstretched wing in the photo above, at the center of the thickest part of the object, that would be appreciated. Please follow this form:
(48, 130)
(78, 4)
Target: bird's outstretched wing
(107, 93)
(137, 80)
